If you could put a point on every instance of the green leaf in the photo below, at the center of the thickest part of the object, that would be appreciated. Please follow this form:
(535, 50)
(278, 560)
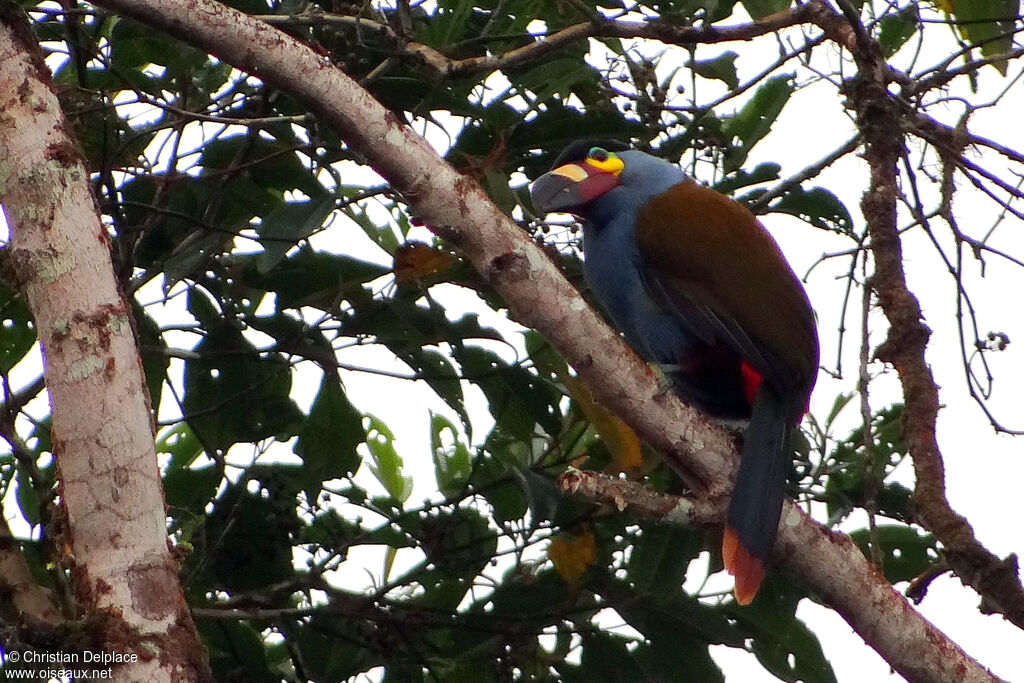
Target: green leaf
(152, 350)
(782, 642)
(906, 552)
(27, 494)
(330, 435)
(528, 597)
(461, 541)
(842, 400)
(660, 557)
(283, 227)
(818, 206)
(133, 44)
(669, 658)
(670, 611)
(895, 29)
(312, 278)
(452, 463)
(847, 485)
(382, 234)
(759, 9)
(544, 497)
(271, 167)
(236, 651)
(332, 649)
(441, 376)
(558, 124)
(747, 126)
(388, 463)
(28, 498)
(191, 489)
(606, 658)
(450, 23)
(721, 68)
(517, 399)
(506, 497)
(234, 393)
(17, 330)
(762, 173)
(988, 24)
(561, 76)
(248, 537)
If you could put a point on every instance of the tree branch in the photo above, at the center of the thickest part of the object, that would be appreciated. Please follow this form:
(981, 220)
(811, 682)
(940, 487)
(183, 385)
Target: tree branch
(880, 119)
(29, 600)
(806, 549)
(442, 66)
(540, 297)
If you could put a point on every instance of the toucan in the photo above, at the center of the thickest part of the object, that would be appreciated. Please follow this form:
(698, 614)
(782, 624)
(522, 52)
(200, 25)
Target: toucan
(699, 288)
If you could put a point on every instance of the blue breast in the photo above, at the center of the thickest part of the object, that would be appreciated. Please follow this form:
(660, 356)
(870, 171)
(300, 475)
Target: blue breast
(613, 265)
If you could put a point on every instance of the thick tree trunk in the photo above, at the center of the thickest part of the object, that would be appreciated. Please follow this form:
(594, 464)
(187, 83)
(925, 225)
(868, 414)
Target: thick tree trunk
(122, 570)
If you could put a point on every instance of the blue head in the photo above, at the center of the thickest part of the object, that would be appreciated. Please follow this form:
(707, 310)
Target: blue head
(598, 181)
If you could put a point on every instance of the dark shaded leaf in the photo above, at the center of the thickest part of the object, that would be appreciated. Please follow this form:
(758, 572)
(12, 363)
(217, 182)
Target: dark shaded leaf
(236, 652)
(606, 658)
(660, 558)
(759, 9)
(818, 206)
(895, 29)
(749, 125)
(312, 278)
(283, 227)
(17, 330)
(906, 552)
(517, 399)
(762, 173)
(670, 658)
(248, 537)
(330, 434)
(782, 643)
(233, 393)
(332, 649)
(152, 350)
(191, 489)
(720, 68)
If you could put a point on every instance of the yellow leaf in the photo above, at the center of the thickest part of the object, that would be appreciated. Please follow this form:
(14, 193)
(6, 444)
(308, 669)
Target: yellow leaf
(572, 554)
(416, 260)
(389, 562)
(621, 441)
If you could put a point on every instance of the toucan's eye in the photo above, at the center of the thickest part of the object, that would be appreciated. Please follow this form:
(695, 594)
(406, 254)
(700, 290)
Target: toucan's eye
(598, 154)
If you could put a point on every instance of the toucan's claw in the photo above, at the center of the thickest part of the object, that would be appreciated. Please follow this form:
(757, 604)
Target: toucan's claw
(663, 373)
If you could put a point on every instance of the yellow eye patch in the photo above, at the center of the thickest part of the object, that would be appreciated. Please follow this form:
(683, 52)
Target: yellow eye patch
(604, 161)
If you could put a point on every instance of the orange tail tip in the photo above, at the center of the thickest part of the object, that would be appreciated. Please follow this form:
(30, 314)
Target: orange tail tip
(747, 569)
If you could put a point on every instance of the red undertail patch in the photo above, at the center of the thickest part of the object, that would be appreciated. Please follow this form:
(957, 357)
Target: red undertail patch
(752, 381)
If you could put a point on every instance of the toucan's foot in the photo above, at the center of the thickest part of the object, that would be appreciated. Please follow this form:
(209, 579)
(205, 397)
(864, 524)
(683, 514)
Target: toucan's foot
(663, 372)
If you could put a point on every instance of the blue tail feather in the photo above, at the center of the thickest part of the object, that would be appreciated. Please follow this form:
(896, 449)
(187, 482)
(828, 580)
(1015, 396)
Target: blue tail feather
(756, 502)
